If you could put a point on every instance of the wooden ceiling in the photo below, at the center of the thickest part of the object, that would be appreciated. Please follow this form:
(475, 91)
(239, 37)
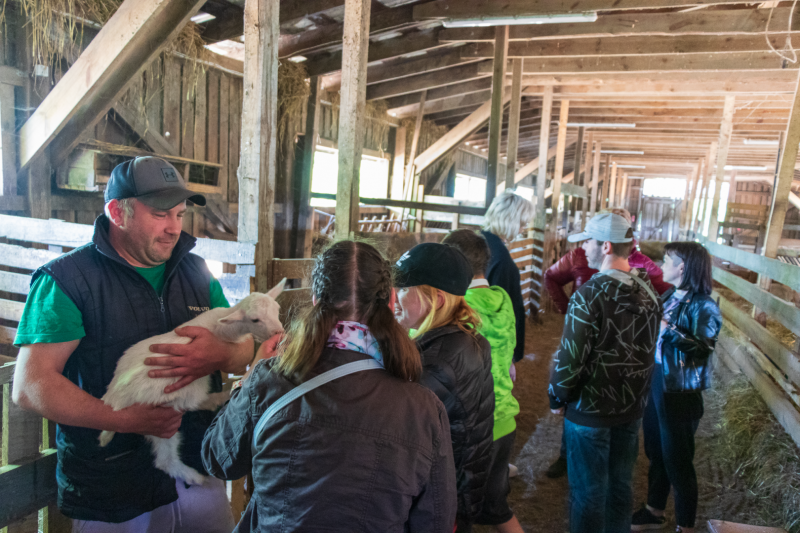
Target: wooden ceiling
(664, 65)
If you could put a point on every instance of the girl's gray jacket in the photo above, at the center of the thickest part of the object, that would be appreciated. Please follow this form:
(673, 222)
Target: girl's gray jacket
(365, 452)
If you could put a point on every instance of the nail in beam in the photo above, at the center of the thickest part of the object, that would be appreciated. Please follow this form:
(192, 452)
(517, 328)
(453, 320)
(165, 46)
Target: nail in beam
(351, 112)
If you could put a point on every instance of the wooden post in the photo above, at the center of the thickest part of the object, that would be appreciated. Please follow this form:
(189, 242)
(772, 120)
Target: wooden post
(399, 166)
(595, 178)
(351, 114)
(513, 122)
(540, 219)
(496, 117)
(8, 149)
(686, 218)
(258, 166)
(578, 178)
(725, 131)
(410, 185)
(606, 180)
(685, 203)
(612, 187)
(302, 231)
(587, 178)
(782, 188)
(561, 144)
(623, 192)
(701, 210)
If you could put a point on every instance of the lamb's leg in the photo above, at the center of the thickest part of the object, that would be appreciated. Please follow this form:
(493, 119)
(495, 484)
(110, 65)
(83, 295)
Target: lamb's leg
(105, 437)
(214, 400)
(168, 460)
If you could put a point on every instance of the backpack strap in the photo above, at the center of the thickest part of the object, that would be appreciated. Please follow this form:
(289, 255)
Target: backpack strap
(623, 276)
(311, 384)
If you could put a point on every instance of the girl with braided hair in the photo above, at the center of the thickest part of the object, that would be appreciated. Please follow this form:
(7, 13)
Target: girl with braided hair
(369, 451)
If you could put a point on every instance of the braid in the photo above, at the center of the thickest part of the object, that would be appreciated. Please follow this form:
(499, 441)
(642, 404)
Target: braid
(384, 287)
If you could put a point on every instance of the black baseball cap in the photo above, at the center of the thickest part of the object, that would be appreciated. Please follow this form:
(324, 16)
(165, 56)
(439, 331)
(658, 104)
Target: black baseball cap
(442, 267)
(152, 181)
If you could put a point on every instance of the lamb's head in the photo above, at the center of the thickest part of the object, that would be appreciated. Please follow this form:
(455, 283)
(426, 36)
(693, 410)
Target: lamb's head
(257, 314)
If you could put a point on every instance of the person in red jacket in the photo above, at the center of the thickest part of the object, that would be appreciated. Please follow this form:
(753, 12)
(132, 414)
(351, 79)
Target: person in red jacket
(574, 268)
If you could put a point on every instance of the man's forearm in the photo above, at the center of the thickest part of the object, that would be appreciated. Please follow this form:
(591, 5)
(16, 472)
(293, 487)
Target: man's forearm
(58, 399)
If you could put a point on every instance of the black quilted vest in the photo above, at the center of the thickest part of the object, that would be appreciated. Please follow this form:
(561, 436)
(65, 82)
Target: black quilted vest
(120, 308)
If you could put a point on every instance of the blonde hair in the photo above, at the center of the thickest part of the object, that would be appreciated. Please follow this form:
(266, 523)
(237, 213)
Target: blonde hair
(507, 212)
(455, 310)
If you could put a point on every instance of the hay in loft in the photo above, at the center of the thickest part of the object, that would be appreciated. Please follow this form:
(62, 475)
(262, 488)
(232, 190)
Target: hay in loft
(429, 133)
(376, 113)
(57, 30)
(293, 91)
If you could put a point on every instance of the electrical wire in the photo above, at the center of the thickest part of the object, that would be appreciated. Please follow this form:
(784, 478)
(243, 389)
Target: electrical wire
(788, 46)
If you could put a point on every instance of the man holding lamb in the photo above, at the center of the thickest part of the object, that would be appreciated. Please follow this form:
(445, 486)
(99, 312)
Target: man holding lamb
(137, 278)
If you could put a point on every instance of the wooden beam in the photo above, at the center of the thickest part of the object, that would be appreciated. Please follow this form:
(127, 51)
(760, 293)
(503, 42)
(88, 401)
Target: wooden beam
(631, 46)
(132, 37)
(612, 187)
(409, 43)
(430, 80)
(398, 167)
(303, 229)
(561, 145)
(735, 61)
(410, 181)
(458, 9)
(606, 180)
(620, 24)
(258, 165)
(533, 165)
(496, 116)
(513, 123)
(724, 144)
(697, 226)
(595, 176)
(455, 136)
(351, 113)
(8, 145)
(540, 217)
(330, 35)
(395, 70)
(691, 192)
(580, 162)
(396, 103)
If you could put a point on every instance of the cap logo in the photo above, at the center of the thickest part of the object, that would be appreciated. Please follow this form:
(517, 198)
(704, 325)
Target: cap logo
(169, 175)
(403, 258)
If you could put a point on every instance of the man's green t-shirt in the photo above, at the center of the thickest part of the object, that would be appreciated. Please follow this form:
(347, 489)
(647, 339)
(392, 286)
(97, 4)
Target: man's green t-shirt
(50, 316)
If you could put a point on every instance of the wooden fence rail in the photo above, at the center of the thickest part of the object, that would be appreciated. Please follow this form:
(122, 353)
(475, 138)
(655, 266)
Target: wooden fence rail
(771, 366)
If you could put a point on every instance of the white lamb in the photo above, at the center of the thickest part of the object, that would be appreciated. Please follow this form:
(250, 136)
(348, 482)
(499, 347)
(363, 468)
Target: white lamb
(255, 315)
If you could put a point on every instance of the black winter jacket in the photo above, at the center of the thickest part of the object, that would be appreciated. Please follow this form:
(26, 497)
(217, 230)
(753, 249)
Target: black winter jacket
(365, 452)
(458, 368)
(690, 338)
(604, 364)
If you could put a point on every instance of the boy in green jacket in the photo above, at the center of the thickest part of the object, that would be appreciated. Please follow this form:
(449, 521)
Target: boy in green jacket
(498, 327)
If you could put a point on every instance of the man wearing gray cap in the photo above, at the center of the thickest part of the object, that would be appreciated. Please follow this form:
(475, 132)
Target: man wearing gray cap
(137, 278)
(601, 377)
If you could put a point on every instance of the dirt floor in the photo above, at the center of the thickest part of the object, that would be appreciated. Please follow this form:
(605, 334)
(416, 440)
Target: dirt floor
(541, 504)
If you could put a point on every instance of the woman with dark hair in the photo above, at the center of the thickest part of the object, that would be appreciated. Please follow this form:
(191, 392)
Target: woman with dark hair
(367, 450)
(689, 331)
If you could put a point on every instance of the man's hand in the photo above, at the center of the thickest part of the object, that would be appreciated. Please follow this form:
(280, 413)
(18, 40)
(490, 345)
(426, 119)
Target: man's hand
(559, 411)
(156, 420)
(513, 372)
(203, 355)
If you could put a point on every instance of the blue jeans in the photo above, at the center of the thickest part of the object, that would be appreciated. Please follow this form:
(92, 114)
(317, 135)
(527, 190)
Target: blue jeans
(600, 463)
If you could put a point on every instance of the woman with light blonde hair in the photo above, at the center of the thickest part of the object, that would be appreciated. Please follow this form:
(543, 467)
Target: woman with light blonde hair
(431, 281)
(506, 218)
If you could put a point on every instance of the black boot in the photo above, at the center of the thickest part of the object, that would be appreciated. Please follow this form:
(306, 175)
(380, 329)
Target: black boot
(557, 469)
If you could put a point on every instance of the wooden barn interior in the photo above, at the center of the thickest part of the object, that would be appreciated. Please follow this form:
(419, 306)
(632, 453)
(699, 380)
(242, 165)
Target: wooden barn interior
(302, 121)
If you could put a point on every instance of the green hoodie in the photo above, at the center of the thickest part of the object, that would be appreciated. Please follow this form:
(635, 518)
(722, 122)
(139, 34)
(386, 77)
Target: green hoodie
(494, 307)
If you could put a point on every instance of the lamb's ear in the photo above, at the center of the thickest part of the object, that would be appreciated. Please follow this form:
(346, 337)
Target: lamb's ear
(236, 316)
(277, 289)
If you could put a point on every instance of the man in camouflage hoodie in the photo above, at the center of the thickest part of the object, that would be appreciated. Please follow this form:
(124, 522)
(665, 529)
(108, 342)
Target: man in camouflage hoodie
(601, 377)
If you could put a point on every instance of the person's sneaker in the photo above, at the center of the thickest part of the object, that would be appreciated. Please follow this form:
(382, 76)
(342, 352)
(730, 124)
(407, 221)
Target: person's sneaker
(513, 471)
(644, 520)
(557, 469)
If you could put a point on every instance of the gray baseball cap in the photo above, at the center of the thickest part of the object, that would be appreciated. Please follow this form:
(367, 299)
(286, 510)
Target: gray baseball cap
(152, 181)
(605, 227)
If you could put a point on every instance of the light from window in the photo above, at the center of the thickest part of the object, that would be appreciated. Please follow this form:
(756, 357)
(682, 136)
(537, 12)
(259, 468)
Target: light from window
(665, 188)
(374, 182)
(470, 188)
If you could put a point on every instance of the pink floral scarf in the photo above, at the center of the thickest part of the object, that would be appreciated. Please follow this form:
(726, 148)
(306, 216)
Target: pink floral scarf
(347, 335)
